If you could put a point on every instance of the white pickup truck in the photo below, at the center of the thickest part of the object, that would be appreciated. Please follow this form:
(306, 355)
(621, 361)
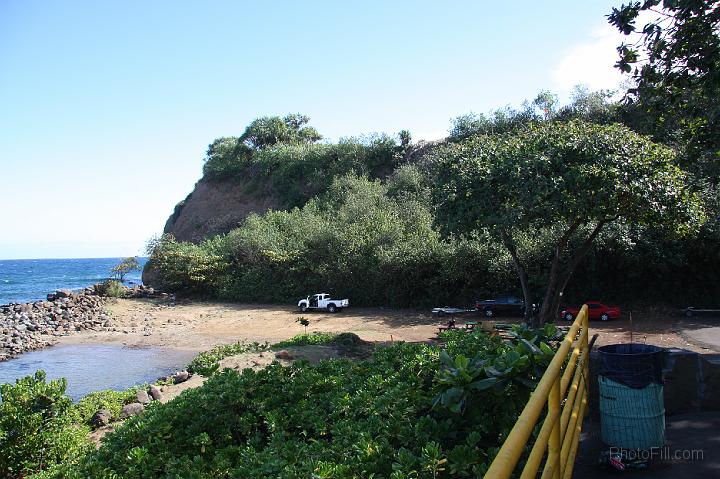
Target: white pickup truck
(323, 301)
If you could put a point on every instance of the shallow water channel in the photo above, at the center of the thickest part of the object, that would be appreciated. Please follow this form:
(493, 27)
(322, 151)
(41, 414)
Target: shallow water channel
(91, 367)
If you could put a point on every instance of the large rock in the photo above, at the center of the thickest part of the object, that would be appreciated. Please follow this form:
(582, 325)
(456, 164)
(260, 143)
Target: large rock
(180, 377)
(155, 393)
(101, 418)
(132, 409)
(142, 397)
(284, 355)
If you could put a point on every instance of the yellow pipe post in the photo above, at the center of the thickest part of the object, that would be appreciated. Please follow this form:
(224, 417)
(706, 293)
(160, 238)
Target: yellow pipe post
(551, 391)
(555, 442)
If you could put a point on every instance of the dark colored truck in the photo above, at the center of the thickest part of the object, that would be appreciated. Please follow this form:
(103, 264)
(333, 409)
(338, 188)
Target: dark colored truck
(501, 306)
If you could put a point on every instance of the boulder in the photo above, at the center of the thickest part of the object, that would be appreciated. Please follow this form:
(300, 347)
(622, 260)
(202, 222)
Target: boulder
(101, 418)
(180, 377)
(142, 397)
(155, 393)
(284, 355)
(132, 409)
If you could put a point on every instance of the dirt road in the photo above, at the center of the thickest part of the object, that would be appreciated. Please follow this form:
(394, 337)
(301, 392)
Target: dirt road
(201, 325)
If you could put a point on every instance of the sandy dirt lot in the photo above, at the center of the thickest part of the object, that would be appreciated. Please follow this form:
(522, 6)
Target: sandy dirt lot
(199, 326)
(202, 325)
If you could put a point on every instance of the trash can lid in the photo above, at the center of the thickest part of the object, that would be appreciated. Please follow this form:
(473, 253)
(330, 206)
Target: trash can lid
(630, 349)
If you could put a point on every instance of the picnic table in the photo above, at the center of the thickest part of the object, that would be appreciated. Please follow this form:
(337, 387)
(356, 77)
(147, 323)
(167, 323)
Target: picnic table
(468, 326)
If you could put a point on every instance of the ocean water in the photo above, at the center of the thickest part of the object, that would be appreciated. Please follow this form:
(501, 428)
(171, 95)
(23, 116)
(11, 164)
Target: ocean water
(26, 280)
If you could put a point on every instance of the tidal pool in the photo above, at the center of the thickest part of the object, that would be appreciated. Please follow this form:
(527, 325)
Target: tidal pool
(91, 367)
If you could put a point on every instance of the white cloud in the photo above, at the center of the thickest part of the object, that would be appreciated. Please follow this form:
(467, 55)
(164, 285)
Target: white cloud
(590, 63)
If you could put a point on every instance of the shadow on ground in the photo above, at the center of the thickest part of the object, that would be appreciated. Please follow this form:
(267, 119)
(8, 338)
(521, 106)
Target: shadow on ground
(693, 450)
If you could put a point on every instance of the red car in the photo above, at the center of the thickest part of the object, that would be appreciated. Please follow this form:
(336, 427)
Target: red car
(596, 310)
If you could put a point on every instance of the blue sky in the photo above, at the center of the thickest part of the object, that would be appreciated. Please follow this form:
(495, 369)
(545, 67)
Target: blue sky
(107, 108)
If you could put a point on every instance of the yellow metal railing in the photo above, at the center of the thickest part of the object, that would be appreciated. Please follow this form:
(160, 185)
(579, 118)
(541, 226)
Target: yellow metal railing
(564, 388)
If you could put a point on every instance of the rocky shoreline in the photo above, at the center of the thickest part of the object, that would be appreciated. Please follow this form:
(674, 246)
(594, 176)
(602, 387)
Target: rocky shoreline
(36, 325)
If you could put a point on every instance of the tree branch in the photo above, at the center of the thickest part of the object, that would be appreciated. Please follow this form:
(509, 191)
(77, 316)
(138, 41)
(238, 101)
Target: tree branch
(584, 250)
(522, 273)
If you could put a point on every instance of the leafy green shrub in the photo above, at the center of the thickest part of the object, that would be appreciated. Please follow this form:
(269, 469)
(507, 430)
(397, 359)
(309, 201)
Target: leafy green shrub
(347, 340)
(392, 416)
(113, 401)
(125, 266)
(300, 171)
(207, 362)
(111, 288)
(36, 426)
(187, 267)
(306, 339)
(363, 231)
(226, 157)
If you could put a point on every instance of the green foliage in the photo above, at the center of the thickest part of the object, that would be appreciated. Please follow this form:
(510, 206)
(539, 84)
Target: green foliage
(564, 172)
(462, 378)
(573, 177)
(207, 362)
(304, 322)
(284, 151)
(348, 225)
(307, 339)
(503, 120)
(674, 65)
(83, 411)
(271, 130)
(36, 426)
(590, 106)
(126, 265)
(336, 419)
(111, 288)
(187, 267)
(297, 172)
(282, 154)
(383, 233)
(226, 157)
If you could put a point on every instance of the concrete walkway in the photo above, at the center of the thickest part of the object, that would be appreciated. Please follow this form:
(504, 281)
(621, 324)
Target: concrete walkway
(693, 450)
(704, 332)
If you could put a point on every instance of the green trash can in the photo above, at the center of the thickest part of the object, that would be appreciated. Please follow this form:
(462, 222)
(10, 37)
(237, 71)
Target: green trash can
(631, 418)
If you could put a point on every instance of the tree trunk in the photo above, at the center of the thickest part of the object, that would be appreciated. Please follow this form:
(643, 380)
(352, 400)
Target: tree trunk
(549, 306)
(581, 253)
(522, 274)
(557, 285)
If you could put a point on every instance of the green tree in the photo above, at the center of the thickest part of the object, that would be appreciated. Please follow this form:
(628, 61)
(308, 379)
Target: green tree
(120, 270)
(574, 177)
(675, 64)
(592, 106)
(226, 156)
(271, 130)
(547, 102)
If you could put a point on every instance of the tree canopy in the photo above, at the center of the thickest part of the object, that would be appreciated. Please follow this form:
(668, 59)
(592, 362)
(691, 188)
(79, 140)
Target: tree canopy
(675, 65)
(120, 270)
(271, 130)
(573, 175)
